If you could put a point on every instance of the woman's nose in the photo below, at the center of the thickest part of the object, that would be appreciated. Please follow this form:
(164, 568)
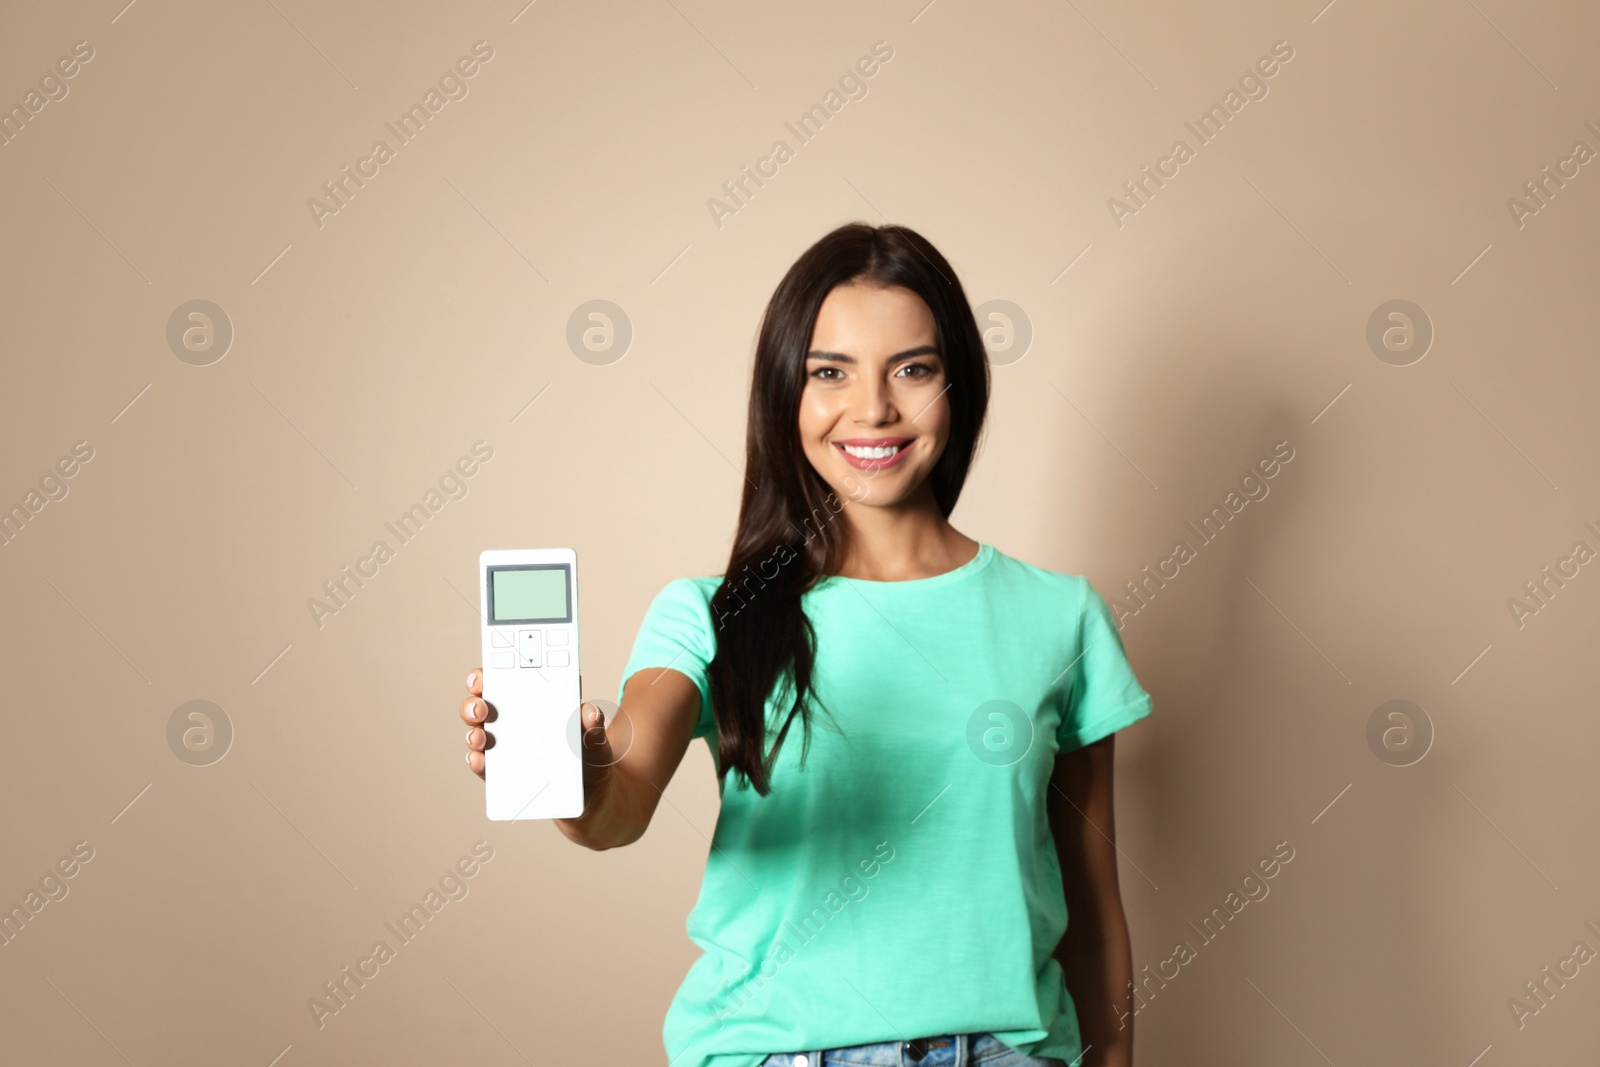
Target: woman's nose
(870, 401)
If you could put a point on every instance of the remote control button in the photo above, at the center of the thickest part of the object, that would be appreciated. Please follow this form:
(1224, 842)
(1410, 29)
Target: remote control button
(529, 649)
(502, 660)
(557, 657)
(500, 638)
(557, 635)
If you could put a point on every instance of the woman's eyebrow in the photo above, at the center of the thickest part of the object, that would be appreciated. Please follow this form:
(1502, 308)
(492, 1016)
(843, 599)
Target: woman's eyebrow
(910, 353)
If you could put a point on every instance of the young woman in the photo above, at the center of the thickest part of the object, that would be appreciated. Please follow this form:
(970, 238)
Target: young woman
(917, 727)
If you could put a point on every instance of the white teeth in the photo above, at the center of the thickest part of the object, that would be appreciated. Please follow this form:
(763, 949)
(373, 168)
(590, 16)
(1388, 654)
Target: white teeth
(882, 452)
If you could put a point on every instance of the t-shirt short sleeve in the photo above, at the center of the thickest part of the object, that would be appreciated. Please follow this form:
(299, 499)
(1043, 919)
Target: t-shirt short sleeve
(1104, 695)
(677, 633)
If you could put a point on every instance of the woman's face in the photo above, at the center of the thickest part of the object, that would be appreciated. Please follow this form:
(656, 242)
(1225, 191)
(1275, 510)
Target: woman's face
(874, 417)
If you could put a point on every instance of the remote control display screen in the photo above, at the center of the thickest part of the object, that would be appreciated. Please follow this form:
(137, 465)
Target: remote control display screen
(536, 593)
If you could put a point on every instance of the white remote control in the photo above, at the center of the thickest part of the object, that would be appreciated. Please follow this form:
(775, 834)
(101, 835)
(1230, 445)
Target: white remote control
(533, 763)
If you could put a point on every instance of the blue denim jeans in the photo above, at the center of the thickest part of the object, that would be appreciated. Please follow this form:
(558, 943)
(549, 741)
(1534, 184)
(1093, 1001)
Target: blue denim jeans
(948, 1050)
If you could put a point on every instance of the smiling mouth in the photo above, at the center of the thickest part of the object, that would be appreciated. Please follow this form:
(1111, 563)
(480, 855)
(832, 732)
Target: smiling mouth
(875, 452)
(867, 454)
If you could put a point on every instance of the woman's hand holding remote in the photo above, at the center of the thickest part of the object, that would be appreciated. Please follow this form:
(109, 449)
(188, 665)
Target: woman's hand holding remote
(654, 725)
(597, 755)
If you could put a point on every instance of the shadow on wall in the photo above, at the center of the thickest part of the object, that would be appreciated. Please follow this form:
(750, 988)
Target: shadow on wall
(1254, 733)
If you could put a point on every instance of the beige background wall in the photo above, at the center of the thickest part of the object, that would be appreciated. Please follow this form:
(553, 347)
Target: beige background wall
(1167, 355)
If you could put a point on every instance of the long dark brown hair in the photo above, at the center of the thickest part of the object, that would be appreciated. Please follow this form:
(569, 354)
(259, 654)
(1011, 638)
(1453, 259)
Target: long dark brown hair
(786, 540)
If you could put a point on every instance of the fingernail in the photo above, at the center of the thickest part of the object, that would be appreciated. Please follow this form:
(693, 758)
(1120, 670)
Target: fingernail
(471, 678)
(469, 759)
(469, 741)
(599, 716)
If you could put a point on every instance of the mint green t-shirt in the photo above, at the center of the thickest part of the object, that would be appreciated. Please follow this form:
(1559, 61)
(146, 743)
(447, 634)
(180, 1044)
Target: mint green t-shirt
(904, 882)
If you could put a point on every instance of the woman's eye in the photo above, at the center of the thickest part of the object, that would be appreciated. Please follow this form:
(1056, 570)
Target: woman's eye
(922, 369)
(823, 372)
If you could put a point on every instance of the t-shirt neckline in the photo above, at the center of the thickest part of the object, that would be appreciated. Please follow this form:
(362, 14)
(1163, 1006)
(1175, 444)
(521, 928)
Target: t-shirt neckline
(970, 567)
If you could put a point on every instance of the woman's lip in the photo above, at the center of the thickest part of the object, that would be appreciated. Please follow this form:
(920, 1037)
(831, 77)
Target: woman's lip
(861, 463)
(872, 442)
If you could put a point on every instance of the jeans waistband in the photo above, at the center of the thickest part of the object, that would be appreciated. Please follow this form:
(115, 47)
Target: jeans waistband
(945, 1050)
